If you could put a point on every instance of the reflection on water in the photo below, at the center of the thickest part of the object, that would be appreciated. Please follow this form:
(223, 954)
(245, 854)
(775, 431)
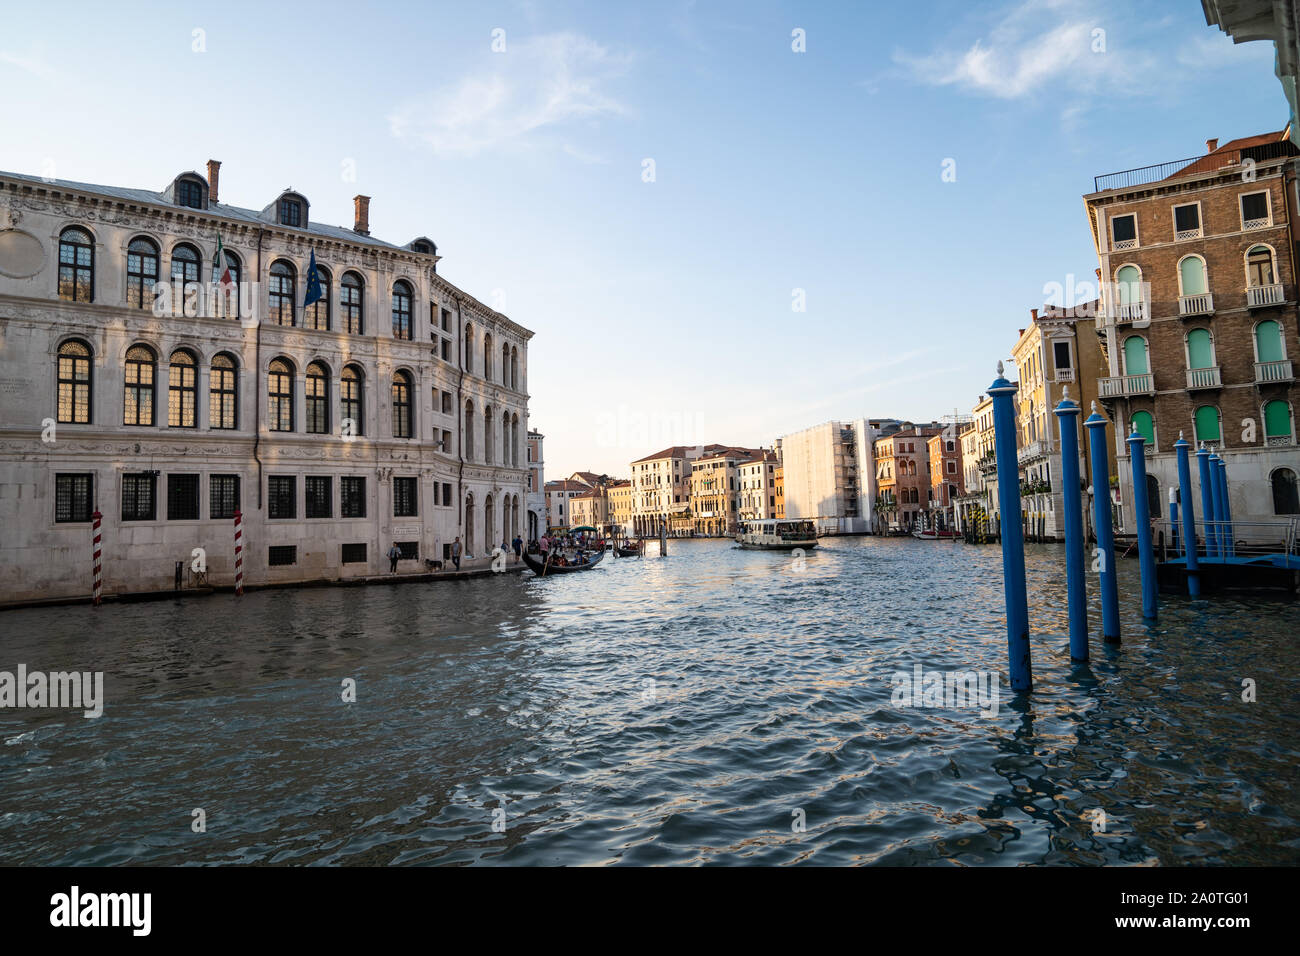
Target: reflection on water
(684, 710)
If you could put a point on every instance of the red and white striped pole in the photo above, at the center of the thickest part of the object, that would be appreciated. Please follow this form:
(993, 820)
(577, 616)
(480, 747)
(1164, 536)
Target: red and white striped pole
(97, 553)
(239, 553)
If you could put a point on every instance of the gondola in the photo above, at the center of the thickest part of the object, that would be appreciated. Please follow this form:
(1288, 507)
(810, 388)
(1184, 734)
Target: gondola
(534, 562)
(627, 552)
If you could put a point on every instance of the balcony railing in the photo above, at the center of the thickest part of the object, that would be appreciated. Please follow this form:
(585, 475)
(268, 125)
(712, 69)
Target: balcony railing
(1182, 234)
(1202, 304)
(1196, 166)
(1123, 385)
(1065, 375)
(1274, 371)
(1204, 377)
(1131, 312)
(1259, 296)
(1033, 449)
(1257, 223)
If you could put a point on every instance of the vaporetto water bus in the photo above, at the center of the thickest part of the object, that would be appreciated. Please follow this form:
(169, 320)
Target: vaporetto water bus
(772, 535)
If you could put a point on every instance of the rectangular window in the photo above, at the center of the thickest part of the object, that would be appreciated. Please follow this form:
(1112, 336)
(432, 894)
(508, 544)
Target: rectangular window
(446, 321)
(223, 496)
(446, 403)
(1254, 211)
(352, 497)
(290, 214)
(446, 494)
(1124, 231)
(1061, 354)
(404, 497)
(1187, 221)
(182, 497)
(410, 550)
(281, 497)
(354, 554)
(73, 499)
(139, 502)
(282, 554)
(319, 498)
(446, 442)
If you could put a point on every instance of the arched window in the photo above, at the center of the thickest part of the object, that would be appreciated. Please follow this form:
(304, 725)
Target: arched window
(317, 315)
(350, 303)
(403, 420)
(489, 525)
(1135, 355)
(505, 363)
(467, 350)
(76, 265)
(469, 524)
(351, 406)
(185, 270)
(469, 431)
(1207, 424)
(1191, 276)
(74, 382)
(514, 369)
(283, 290)
(222, 391)
(1268, 342)
(489, 452)
(1128, 285)
(1259, 266)
(1200, 349)
(401, 310)
(1286, 492)
(182, 390)
(141, 272)
(487, 356)
(1144, 426)
(505, 438)
(1277, 423)
(514, 440)
(226, 276)
(279, 396)
(316, 393)
(137, 397)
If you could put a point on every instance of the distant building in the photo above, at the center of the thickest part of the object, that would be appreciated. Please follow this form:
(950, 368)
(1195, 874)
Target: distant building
(620, 506)
(779, 491)
(758, 486)
(535, 499)
(559, 497)
(830, 476)
(661, 489)
(902, 472)
(947, 483)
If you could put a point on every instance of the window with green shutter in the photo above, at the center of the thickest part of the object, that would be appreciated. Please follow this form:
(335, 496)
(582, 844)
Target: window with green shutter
(1207, 423)
(1268, 341)
(1199, 350)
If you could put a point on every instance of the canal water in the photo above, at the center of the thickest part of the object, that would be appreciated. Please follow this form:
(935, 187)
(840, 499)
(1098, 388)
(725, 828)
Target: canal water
(716, 706)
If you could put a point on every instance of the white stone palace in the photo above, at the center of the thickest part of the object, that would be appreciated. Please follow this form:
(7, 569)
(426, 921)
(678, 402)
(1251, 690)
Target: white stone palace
(134, 384)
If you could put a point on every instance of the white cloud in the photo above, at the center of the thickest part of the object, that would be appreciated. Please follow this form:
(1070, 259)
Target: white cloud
(1034, 45)
(33, 63)
(546, 84)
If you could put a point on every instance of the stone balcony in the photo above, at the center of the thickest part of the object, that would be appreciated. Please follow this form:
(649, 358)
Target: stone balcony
(1122, 386)
(1263, 296)
(1202, 304)
(1204, 377)
(1274, 371)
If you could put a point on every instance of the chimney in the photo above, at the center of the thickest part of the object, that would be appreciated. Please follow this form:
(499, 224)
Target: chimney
(1211, 145)
(1034, 314)
(214, 174)
(363, 215)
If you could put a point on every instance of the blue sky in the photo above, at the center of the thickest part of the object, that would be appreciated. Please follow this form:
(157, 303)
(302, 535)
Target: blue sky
(663, 310)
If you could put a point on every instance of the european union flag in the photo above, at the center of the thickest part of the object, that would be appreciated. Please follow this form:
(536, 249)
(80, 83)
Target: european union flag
(314, 291)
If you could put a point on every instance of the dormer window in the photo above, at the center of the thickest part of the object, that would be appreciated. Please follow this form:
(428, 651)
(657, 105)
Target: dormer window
(422, 247)
(290, 212)
(189, 193)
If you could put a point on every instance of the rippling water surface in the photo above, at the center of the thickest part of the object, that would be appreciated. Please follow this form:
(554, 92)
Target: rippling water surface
(770, 704)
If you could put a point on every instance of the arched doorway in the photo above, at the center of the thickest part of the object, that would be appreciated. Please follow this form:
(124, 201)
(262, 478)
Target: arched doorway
(1286, 492)
(1153, 496)
(489, 526)
(469, 524)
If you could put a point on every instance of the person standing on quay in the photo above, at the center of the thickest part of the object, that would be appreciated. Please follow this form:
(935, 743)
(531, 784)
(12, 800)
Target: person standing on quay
(519, 547)
(393, 554)
(455, 552)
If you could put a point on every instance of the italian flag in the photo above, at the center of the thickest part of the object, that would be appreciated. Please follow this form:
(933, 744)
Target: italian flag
(221, 268)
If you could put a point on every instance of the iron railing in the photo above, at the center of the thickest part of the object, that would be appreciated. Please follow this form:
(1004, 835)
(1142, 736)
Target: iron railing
(1145, 175)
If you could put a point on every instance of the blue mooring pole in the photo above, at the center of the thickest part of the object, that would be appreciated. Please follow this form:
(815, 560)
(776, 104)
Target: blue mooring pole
(1101, 520)
(1141, 507)
(1067, 414)
(1173, 520)
(1229, 547)
(1207, 498)
(1013, 542)
(1189, 514)
(1220, 509)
